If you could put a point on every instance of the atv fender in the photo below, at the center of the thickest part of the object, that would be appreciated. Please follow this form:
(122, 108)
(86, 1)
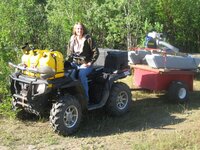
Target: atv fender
(111, 78)
(75, 88)
(116, 76)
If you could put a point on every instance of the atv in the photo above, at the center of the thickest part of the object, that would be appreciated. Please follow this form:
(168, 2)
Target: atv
(42, 86)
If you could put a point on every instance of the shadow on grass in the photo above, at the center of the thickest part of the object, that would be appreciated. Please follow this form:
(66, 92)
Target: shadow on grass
(25, 116)
(144, 114)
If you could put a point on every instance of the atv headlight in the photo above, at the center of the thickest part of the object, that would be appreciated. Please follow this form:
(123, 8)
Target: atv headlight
(41, 88)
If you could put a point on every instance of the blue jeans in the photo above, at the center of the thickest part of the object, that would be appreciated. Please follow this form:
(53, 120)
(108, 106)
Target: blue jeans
(83, 72)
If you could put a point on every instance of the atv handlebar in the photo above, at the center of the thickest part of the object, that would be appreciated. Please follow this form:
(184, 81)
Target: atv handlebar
(41, 70)
(23, 68)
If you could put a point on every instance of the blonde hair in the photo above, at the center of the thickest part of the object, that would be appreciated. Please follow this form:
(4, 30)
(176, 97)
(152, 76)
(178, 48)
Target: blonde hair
(81, 24)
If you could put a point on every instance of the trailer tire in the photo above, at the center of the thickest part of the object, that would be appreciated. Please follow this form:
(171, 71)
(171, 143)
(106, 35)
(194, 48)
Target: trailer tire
(65, 115)
(178, 92)
(119, 100)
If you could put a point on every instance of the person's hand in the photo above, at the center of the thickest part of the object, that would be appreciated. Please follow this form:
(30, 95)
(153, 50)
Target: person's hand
(86, 65)
(89, 64)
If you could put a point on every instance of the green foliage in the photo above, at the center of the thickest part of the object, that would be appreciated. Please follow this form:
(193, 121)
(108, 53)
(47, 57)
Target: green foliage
(4, 75)
(5, 104)
(6, 109)
(121, 24)
(181, 21)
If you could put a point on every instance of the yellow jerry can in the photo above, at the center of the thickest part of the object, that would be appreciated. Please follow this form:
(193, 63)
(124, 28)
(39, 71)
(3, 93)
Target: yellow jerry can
(40, 58)
(53, 59)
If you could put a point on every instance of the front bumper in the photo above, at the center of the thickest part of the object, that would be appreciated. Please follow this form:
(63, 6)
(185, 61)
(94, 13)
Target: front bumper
(26, 90)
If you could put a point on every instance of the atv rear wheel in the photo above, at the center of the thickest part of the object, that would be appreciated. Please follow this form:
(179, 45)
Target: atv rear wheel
(119, 99)
(65, 115)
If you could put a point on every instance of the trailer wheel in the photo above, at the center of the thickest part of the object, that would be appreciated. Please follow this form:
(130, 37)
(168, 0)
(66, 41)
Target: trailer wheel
(119, 99)
(65, 115)
(178, 92)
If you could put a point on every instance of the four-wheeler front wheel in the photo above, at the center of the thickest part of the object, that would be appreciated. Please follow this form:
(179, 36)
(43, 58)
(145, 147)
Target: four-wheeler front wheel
(65, 115)
(178, 92)
(119, 99)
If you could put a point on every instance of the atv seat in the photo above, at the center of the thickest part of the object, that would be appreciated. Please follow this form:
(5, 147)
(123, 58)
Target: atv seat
(73, 72)
(116, 61)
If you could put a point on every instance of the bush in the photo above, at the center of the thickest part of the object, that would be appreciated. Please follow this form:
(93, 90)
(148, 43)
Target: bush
(6, 108)
(5, 99)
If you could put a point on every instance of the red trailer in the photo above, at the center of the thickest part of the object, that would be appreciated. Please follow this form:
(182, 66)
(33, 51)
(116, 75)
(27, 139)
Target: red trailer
(177, 83)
